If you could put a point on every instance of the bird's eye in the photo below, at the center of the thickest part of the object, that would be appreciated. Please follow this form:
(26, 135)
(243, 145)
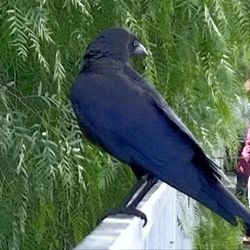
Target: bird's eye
(135, 43)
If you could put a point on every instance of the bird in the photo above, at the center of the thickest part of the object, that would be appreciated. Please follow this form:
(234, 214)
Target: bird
(117, 109)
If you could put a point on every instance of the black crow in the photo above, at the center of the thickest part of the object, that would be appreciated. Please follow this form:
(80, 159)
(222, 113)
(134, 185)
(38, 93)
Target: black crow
(118, 110)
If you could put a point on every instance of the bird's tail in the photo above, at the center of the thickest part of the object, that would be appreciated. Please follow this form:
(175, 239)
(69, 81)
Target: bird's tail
(211, 193)
(217, 197)
(220, 200)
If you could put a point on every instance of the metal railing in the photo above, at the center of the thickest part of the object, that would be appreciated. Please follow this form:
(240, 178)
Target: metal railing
(170, 224)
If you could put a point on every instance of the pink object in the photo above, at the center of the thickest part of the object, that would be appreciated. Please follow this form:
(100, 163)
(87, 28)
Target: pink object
(243, 164)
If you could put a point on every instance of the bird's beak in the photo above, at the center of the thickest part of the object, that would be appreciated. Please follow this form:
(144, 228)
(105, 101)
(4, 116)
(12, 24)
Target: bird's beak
(140, 50)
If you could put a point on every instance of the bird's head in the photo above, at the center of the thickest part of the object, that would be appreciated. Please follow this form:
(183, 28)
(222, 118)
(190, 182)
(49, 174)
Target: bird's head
(115, 43)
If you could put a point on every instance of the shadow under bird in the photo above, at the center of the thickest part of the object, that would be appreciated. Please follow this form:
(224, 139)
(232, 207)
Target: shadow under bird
(117, 109)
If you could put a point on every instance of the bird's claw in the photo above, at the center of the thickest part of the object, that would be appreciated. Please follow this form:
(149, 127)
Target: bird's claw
(129, 210)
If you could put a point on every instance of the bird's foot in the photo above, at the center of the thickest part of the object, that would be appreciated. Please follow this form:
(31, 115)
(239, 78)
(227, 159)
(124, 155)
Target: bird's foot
(133, 199)
(129, 210)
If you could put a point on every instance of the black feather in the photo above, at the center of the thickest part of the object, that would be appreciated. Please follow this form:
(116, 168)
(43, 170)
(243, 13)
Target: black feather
(126, 116)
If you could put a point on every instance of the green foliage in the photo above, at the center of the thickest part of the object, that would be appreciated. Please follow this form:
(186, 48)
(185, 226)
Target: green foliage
(213, 233)
(54, 184)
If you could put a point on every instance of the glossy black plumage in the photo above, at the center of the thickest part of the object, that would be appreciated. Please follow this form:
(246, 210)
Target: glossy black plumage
(118, 110)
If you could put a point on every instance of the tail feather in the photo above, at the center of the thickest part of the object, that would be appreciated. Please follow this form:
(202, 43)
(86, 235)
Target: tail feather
(226, 204)
(209, 191)
(218, 198)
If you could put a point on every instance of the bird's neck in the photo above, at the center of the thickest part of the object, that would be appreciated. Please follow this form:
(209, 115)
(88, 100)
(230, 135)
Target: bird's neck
(104, 63)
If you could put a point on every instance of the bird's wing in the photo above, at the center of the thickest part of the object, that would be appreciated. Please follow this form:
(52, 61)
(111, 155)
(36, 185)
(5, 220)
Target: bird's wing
(135, 125)
(208, 165)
